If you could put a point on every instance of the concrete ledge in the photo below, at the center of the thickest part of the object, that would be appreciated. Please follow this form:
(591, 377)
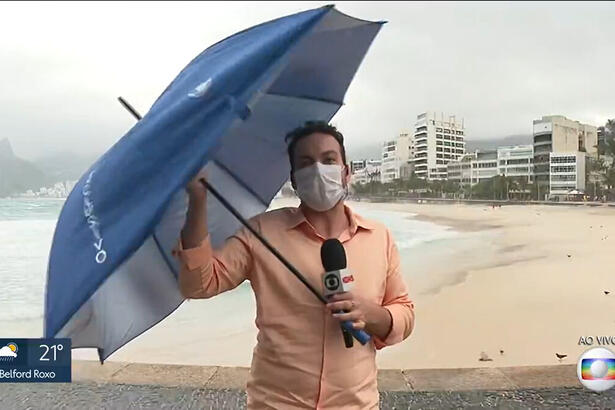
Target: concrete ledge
(235, 378)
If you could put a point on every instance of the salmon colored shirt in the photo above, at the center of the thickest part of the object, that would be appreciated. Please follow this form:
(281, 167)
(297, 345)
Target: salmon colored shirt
(300, 361)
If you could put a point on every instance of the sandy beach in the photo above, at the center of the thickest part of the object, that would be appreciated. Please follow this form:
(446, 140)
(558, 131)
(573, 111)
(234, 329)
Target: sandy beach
(531, 289)
(528, 280)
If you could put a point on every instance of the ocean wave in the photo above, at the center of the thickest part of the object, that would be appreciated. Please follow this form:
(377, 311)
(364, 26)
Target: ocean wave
(408, 232)
(25, 243)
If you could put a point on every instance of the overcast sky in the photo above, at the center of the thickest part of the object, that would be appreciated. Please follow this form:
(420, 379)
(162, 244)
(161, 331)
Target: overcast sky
(497, 65)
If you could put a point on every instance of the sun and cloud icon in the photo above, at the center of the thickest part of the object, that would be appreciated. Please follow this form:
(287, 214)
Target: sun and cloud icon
(8, 352)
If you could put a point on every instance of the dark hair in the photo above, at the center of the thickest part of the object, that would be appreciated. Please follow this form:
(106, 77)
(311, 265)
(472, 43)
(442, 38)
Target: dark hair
(309, 128)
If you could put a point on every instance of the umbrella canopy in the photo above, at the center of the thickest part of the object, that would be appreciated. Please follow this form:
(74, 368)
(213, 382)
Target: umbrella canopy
(111, 275)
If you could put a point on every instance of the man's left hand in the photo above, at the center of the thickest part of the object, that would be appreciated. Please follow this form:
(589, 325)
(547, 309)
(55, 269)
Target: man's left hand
(364, 314)
(353, 306)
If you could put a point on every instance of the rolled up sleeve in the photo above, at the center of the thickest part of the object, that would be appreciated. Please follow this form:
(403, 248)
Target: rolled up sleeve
(206, 272)
(396, 301)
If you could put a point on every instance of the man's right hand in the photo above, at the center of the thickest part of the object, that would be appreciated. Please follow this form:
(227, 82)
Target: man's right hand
(195, 188)
(195, 227)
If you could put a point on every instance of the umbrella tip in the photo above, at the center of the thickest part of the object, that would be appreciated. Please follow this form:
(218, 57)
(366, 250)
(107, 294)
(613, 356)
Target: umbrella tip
(100, 356)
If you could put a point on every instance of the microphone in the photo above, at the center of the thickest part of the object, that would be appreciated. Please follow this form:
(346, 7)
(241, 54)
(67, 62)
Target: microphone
(333, 258)
(337, 279)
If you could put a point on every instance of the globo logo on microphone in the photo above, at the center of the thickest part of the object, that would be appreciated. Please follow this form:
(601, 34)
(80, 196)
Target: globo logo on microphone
(337, 281)
(332, 282)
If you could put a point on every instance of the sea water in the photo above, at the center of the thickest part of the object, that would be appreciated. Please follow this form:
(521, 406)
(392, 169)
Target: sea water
(26, 232)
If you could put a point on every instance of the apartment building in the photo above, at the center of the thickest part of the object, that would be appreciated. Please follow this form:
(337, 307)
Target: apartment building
(395, 154)
(559, 135)
(566, 173)
(438, 140)
(365, 171)
(474, 167)
(516, 162)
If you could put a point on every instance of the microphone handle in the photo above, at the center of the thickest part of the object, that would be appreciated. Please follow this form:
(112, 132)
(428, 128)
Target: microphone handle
(348, 340)
(361, 335)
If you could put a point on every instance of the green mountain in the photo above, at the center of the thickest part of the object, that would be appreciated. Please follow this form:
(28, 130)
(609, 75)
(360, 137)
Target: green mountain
(64, 166)
(17, 175)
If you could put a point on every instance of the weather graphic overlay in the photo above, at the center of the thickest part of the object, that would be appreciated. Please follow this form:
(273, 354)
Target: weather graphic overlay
(35, 360)
(8, 353)
(596, 369)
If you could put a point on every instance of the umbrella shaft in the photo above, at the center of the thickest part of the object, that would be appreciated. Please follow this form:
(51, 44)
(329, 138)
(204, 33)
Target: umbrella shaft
(130, 108)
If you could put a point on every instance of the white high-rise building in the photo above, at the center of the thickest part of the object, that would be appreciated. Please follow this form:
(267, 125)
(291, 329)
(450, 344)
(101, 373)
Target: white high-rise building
(395, 155)
(438, 140)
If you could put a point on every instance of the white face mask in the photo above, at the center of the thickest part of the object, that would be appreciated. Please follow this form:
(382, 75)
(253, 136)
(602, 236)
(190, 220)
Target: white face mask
(320, 186)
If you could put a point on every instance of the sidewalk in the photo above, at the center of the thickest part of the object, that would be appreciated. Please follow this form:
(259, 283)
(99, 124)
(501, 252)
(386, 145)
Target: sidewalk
(133, 385)
(502, 378)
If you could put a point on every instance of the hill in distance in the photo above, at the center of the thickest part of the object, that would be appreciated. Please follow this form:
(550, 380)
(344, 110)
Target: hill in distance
(16, 174)
(64, 166)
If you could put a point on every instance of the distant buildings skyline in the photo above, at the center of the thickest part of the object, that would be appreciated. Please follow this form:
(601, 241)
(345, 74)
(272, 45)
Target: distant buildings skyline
(435, 150)
(58, 190)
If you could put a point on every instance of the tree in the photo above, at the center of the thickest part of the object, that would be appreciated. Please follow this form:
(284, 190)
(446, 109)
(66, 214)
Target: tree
(595, 169)
(606, 148)
(607, 145)
(609, 180)
(522, 184)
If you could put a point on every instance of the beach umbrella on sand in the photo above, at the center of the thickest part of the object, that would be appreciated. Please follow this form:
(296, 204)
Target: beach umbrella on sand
(111, 275)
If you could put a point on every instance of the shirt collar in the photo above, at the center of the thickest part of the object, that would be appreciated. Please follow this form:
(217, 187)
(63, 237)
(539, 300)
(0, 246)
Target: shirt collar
(297, 218)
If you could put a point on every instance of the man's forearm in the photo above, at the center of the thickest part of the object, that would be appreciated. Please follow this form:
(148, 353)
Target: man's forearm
(379, 322)
(195, 228)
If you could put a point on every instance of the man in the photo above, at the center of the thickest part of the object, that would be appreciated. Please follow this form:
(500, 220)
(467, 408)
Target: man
(300, 360)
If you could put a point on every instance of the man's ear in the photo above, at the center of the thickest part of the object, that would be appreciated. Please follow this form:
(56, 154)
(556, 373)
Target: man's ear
(292, 180)
(346, 174)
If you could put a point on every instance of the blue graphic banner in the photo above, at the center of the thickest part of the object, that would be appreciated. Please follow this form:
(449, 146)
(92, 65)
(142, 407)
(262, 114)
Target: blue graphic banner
(35, 360)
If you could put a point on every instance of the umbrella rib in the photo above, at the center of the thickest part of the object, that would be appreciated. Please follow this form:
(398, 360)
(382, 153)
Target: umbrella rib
(240, 182)
(303, 97)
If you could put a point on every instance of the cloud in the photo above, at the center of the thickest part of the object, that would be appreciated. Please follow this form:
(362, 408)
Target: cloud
(497, 65)
(6, 351)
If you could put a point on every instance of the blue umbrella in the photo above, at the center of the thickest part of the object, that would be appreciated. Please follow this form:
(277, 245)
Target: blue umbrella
(111, 275)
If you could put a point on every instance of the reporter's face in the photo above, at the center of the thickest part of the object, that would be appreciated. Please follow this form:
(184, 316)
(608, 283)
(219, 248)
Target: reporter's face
(323, 148)
(317, 147)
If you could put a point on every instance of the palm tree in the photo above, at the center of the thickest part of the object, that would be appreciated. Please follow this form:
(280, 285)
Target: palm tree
(512, 185)
(607, 145)
(523, 186)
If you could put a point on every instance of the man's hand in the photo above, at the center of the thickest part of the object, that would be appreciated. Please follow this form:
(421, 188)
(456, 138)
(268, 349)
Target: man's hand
(195, 227)
(195, 187)
(363, 314)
